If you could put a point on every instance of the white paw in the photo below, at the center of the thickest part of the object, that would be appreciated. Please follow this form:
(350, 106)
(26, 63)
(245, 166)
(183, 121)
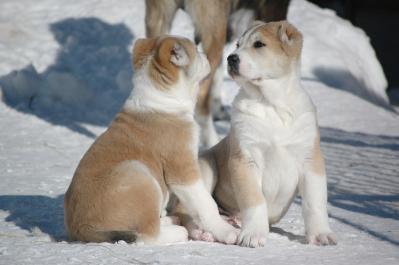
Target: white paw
(201, 235)
(322, 239)
(225, 233)
(252, 238)
(208, 237)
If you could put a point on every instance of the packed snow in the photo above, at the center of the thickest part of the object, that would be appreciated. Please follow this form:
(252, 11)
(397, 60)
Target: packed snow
(65, 70)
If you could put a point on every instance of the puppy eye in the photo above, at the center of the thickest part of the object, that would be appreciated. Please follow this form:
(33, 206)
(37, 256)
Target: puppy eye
(237, 45)
(259, 44)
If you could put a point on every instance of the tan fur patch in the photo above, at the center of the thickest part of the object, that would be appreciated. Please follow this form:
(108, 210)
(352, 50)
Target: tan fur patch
(274, 33)
(108, 193)
(245, 185)
(212, 33)
(141, 50)
(237, 187)
(317, 161)
(162, 71)
(210, 20)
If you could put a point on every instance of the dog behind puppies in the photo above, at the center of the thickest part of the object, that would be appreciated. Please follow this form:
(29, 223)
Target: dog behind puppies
(149, 152)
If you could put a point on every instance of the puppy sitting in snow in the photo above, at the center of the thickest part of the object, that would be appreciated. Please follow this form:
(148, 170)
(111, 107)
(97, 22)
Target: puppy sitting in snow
(124, 181)
(273, 149)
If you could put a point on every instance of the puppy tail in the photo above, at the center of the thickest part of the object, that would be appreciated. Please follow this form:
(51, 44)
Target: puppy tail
(114, 236)
(90, 234)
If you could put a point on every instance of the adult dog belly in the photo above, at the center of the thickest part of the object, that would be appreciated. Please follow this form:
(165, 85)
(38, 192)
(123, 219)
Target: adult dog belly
(280, 176)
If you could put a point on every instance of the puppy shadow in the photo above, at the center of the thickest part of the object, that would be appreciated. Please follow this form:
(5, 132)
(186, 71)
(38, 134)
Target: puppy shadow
(88, 81)
(291, 236)
(32, 212)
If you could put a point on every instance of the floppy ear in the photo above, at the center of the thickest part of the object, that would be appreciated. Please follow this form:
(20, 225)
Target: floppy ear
(178, 55)
(142, 49)
(288, 34)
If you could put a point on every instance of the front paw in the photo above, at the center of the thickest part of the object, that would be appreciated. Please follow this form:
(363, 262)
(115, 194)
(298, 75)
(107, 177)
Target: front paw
(225, 233)
(253, 238)
(198, 234)
(322, 239)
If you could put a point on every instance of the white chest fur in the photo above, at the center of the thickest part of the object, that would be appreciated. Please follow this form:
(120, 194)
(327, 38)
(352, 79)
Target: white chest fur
(279, 140)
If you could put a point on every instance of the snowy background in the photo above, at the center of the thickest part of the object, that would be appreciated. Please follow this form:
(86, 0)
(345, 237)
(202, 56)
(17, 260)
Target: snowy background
(65, 70)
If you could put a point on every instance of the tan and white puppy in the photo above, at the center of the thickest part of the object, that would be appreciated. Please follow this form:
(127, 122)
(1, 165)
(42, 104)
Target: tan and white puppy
(212, 21)
(123, 183)
(273, 149)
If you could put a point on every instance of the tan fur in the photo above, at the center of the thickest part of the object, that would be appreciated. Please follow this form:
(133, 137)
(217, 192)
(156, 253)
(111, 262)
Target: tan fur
(236, 186)
(212, 33)
(162, 71)
(107, 193)
(272, 33)
(122, 180)
(236, 182)
(210, 20)
(141, 50)
(317, 160)
(159, 16)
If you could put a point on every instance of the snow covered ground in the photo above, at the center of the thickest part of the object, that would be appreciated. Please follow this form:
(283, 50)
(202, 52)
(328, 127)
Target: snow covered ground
(65, 71)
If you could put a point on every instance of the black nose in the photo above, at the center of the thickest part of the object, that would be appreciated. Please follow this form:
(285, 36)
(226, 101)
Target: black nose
(233, 64)
(233, 59)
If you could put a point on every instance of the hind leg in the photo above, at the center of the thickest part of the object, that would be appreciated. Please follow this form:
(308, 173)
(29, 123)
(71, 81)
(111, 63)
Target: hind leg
(131, 201)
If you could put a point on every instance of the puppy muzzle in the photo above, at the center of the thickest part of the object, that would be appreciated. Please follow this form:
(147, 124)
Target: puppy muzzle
(233, 64)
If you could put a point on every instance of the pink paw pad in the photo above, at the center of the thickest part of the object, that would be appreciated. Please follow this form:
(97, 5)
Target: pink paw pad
(208, 237)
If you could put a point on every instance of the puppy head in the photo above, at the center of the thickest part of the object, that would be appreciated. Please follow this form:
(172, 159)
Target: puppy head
(170, 60)
(265, 51)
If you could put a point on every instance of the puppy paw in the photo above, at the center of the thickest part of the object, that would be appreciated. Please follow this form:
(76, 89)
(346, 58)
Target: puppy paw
(322, 239)
(201, 235)
(252, 238)
(195, 234)
(221, 232)
(207, 237)
(226, 234)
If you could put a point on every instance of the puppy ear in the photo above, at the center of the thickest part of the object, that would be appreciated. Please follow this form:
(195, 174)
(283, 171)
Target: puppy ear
(288, 34)
(142, 49)
(178, 55)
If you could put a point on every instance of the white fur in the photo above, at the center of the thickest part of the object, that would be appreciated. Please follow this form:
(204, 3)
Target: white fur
(209, 137)
(171, 234)
(168, 233)
(275, 123)
(180, 99)
(205, 211)
(255, 226)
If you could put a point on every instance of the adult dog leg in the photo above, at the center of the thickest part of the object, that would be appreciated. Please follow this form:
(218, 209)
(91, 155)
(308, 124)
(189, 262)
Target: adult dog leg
(159, 16)
(212, 34)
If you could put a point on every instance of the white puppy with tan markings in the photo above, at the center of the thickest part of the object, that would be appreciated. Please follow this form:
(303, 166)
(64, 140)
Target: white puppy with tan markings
(273, 149)
(123, 183)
